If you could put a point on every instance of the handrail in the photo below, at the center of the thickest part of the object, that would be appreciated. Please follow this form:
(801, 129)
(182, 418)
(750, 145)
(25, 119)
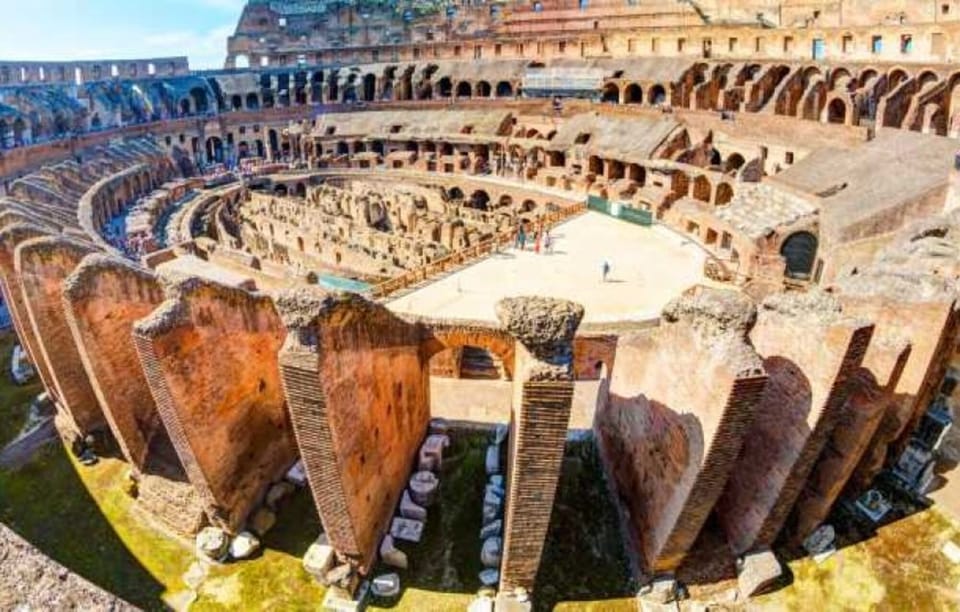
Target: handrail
(467, 255)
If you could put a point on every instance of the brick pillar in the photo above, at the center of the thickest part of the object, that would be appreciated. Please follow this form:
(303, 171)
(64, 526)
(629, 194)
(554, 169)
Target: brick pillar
(543, 393)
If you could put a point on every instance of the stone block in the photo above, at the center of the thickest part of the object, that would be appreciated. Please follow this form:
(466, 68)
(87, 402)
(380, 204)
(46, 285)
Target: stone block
(411, 510)
(319, 559)
(391, 555)
(263, 521)
(492, 461)
(406, 530)
(386, 585)
(297, 475)
(494, 528)
(212, 543)
(491, 552)
(431, 452)
(339, 600)
(439, 426)
(483, 603)
(244, 545)
(277, 492)
(423, 488)
(757, 571)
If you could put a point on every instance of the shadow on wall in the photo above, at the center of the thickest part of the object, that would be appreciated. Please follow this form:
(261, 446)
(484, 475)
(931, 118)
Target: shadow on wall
(654, 454)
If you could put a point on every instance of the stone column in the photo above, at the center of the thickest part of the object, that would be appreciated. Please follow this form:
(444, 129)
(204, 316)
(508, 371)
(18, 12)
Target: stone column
(543, 393)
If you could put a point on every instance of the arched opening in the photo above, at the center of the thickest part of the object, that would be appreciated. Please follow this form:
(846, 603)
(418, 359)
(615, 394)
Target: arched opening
(185, 106)
(455, 194)
(253, 102)
(504, 89)
(633, 94)
(480, 200)
(281, 190)
(836, 111)
(658, 95)
(483, 89)
(464, 89)
(301, 192)
(702, 188)
(200, 102)
(724, 194)
(214, 150)
(241, 61)
(799, 252)
(445, 87)
(611, 93)
(637, 173)
(343, 148)
(236, 103)
(505, 200)
(369, 87)
(528, 206)
(734, 162)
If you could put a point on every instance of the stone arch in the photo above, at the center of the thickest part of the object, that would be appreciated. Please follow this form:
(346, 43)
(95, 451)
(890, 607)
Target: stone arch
(926, 77)
(301, 192)
(735, 161)
(633, 94)
(241, 61)
(236, 103)
(445, 87)
(658, 95)
(895, 77)
(253, 102)
(483, 89)
(504, 89)
(799, 251)
(837, 111)
(440, 338)
(611, 93)
(200, 101)
(369, 87)
(455, 193)
(505, 200)
(702, 188)
(480, 200)
(464, 90)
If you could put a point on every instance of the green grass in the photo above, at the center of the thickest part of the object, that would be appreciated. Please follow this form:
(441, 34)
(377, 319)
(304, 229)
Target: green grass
(584, 558)
(14, 399)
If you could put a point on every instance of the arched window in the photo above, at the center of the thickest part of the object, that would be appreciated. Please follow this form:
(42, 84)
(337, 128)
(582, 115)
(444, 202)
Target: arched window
(799, 251)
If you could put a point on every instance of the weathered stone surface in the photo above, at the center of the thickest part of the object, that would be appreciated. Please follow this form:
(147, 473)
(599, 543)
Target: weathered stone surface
(296, 475)
(491, 529)
(490, 577)
(545, 326)
(431, 452)
(492, 460)
(277, 492)
(757, 571)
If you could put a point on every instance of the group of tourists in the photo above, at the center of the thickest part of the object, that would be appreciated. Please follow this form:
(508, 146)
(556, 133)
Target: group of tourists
(538, 236)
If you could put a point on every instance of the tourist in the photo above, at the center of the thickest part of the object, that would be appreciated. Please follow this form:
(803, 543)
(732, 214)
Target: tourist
(536, 241)
(548, 243)
(606, 269)
(523, 237)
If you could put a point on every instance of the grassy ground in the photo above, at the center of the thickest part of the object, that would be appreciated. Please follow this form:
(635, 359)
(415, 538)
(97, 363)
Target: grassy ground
(584, 558)
(14, 399)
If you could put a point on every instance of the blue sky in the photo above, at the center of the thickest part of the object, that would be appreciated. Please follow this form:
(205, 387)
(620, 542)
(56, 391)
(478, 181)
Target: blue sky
(118, 29)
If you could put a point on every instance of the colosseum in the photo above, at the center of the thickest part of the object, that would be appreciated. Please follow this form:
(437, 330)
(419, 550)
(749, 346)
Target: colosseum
(661, 292)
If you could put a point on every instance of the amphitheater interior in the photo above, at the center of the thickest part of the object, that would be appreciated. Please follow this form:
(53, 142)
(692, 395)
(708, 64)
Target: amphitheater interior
(716, 240)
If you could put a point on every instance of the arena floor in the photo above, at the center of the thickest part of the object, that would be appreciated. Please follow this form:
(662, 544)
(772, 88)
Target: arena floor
(650, 266)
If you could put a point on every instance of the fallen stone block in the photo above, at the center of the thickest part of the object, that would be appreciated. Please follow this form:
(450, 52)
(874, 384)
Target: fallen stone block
(386, 585)
(391, 555)
(244, 545)
(757, 571)
(278, 491)
(497, 480)
(409, 509)
(439, 426)
(341, 576)
(500, 434)
(263, 521)
(661, 590)
(297, 475)
(492, 529)
(406, 530)
(319, 558)
(491, 552)
(482, 603)
(431, 452)
(492, 461)
(423, 488)
(212, 543)
(340, 600)
(490, 577)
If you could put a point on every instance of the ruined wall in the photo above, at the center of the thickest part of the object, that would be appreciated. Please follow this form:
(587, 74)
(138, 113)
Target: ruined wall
(543, 393)
(358, 388)
(103, 298)
(681, 398)
(809, 351)
(209, 353)
(42, 264)
(871, 390)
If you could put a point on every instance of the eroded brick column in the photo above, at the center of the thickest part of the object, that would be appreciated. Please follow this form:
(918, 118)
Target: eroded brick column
(42, 264)
(357, 385)
(810, 351)
(209, 353)
(102, 299)
(543, 393)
